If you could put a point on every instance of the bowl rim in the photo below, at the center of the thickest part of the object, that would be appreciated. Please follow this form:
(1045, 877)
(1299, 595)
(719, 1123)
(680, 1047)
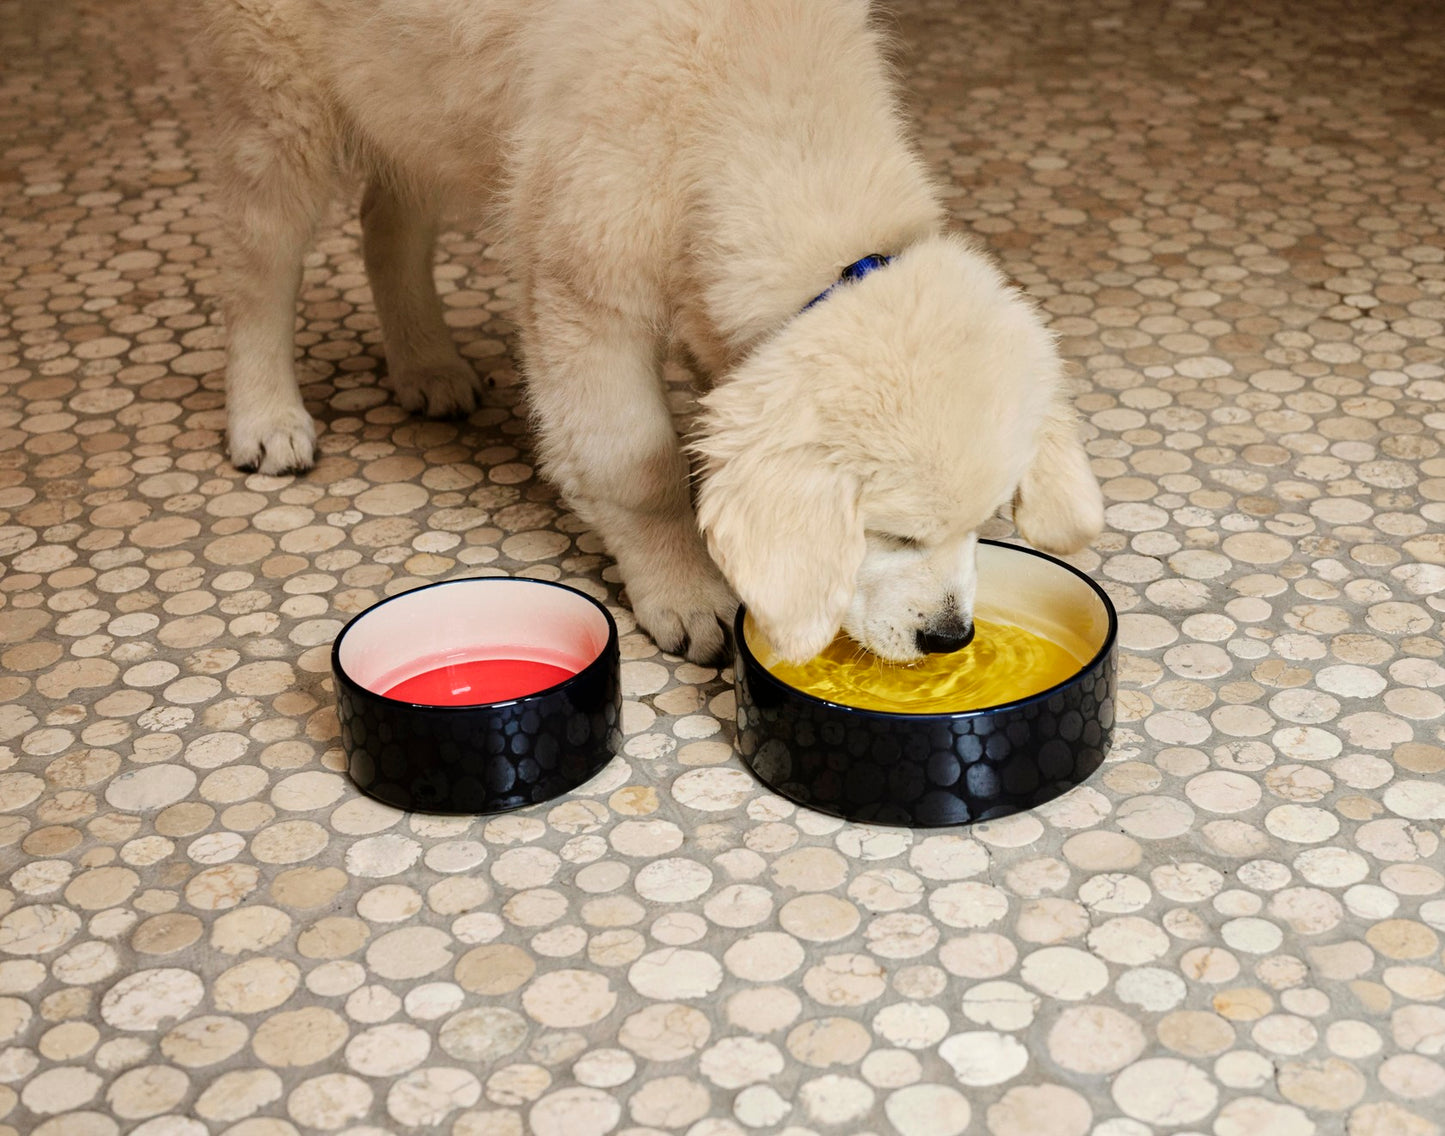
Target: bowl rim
(609, 650)
(755, 666)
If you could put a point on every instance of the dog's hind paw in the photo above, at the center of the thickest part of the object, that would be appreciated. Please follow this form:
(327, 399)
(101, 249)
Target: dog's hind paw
(285, 443)
(438, 390)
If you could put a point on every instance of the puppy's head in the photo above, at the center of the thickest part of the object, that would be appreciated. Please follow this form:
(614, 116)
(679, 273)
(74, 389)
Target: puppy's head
(850, 459)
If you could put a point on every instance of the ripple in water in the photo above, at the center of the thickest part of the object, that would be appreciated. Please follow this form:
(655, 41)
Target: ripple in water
(1003, 663)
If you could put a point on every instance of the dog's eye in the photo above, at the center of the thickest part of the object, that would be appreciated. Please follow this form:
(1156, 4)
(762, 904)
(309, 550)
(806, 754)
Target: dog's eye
(893, 540)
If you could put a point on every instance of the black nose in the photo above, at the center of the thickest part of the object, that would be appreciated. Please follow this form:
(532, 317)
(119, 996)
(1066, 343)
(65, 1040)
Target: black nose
(945, 636)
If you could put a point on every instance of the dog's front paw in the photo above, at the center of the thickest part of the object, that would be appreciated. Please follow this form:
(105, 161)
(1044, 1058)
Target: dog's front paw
(687, 617)
(279, 443)
(437, 390)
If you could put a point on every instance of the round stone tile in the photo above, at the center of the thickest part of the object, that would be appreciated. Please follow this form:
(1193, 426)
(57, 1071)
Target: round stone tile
(1234, 928)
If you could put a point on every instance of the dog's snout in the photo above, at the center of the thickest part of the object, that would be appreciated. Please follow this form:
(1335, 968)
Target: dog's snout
(946, 635)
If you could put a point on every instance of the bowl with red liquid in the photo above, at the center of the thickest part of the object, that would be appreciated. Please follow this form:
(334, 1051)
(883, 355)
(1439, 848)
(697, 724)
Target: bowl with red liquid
(478, 695)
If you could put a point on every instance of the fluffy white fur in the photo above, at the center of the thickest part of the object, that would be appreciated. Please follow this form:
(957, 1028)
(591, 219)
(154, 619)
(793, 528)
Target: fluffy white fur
(664, 174)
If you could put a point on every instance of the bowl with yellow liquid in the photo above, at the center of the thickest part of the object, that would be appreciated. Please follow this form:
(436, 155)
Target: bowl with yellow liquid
(1020, 715)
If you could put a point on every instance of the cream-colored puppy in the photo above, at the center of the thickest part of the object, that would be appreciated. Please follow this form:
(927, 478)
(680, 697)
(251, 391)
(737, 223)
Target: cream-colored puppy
(663, 173)
(890, 421)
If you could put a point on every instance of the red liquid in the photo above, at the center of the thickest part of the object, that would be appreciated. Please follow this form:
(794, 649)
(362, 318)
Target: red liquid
(483, 680)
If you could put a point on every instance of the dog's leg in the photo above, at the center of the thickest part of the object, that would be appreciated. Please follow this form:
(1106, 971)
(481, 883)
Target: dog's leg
(399, 232)
(271, 198)
(607, 441)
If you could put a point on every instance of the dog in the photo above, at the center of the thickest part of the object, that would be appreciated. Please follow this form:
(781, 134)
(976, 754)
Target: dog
(731, 180)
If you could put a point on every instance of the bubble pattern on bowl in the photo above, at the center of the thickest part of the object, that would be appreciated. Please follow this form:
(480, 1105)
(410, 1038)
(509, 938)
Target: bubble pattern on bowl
(924, 770)
(484, 759)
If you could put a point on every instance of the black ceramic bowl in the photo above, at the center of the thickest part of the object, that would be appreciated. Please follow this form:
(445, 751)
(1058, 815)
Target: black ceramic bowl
(491, 752)
(926, 770)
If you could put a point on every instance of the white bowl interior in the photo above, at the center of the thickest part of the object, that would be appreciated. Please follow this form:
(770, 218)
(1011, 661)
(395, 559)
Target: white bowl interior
(466, 621)
(1022, 588)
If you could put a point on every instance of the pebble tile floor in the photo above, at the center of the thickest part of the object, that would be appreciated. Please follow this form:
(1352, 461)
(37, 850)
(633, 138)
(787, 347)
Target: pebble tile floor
(1233, 215)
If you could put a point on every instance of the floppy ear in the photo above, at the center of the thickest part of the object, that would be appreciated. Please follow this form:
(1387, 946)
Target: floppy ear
(784, 526)
(1058, 506)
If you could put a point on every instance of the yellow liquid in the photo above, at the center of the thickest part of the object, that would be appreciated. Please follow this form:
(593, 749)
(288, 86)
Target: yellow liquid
(1003, 663)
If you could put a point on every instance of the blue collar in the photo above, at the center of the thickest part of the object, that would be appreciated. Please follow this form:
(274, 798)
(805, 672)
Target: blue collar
(855, 271)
